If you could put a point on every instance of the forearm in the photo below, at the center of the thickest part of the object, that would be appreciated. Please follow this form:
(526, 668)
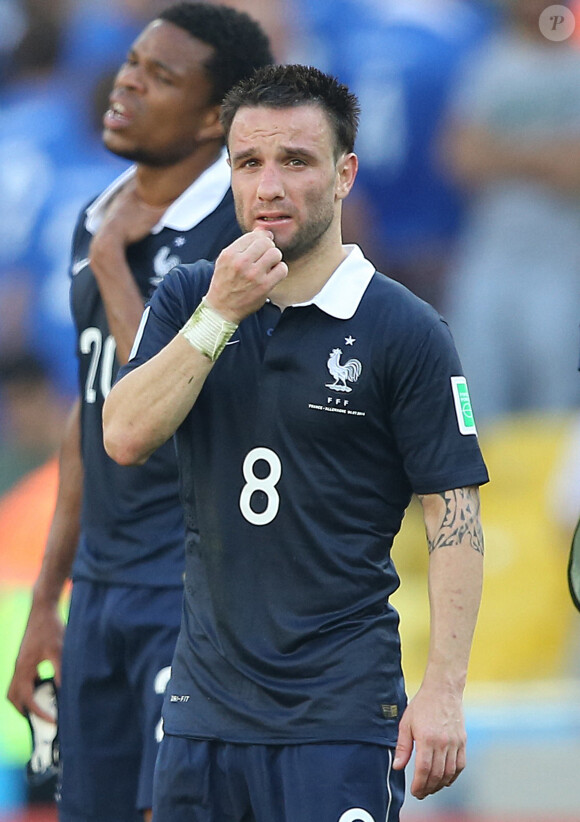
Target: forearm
(475, 156)
(455, 577)
(44, 632)
(145, 408)
(128, 220)
(121, 297)
(63, 535)
(433, 722)
(455, 539)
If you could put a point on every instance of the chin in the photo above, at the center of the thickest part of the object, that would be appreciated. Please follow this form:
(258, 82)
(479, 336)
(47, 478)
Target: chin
(116, 145)
(136, 154)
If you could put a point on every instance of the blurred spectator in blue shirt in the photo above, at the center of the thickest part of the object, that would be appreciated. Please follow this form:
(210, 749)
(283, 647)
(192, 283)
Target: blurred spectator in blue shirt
(400, 57)
(513, 143)
(51, 163)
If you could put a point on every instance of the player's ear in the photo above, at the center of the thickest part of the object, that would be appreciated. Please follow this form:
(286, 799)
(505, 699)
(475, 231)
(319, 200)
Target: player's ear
(346, 169)
(210, 127)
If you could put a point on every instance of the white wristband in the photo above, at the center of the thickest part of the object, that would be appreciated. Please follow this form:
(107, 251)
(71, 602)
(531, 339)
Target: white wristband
(207, 331)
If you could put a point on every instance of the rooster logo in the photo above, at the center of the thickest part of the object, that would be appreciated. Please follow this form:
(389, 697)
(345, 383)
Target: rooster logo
(163, 262)
(351, 371)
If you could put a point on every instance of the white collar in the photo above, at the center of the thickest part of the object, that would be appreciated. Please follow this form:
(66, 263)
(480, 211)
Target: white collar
(341, 294)
(198, 201)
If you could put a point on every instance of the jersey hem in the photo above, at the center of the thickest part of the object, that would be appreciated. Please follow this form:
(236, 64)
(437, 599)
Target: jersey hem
(438, 485)
(124, 583)
(346, 739)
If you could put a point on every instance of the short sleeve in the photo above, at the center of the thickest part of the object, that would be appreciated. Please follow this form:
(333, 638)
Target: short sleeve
(171, 305)
(429, 409)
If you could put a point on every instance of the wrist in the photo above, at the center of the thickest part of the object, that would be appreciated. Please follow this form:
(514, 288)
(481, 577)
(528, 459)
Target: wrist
(46, 596)
(446, 678)
(207, 331)
(106, 254)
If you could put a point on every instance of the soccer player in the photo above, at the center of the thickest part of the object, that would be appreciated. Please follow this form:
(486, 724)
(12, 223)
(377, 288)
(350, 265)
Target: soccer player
(310, 396)
(174, 204)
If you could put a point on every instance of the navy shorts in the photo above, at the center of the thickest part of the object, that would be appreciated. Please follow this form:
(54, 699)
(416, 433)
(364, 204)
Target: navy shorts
(117, 654)
(210, 781)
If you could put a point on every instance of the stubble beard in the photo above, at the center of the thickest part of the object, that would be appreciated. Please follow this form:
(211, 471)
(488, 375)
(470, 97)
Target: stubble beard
(306, 238)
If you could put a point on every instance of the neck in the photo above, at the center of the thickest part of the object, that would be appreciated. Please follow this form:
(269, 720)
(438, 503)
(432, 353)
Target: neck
(308, 275)
(159, 186)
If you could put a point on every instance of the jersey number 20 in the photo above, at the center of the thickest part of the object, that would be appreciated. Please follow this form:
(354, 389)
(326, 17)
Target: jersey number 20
(102, 354)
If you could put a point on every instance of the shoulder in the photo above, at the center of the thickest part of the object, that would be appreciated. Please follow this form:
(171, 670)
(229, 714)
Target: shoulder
(185, 284)
(408, 331)
(396, 304)
(82, 217)
(190, 274)
(221, 225)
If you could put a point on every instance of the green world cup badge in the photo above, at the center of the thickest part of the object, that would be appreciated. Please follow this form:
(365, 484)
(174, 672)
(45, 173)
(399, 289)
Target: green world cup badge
(463, 407)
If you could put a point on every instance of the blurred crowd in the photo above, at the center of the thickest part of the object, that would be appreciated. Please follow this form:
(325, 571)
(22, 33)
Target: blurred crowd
(468, 190)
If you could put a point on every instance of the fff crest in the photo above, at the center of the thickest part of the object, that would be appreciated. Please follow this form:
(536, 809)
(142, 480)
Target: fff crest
(342, 373)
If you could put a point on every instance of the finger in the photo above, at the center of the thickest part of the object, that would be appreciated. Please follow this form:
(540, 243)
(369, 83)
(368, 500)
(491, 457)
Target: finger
(34, 708)
(18, 699)
(23, 700)
(455, 765)
(278, 273)
(443, 771)
(257, 261)
(21, 688)
(404, 747)
(249, 240)
(423, 771)
(270, 258)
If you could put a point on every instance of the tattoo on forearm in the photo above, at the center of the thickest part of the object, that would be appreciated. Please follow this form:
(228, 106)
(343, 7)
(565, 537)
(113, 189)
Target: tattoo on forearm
(461, 522)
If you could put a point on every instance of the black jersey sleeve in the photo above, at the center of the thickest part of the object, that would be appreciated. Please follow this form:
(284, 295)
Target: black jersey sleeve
(171, 305)
(436, 452)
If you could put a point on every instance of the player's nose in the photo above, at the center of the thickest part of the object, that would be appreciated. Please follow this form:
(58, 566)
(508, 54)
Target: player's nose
(130, 76)
(270, 184)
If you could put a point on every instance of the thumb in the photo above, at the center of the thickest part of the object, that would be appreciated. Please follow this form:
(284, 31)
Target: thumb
(404, 747)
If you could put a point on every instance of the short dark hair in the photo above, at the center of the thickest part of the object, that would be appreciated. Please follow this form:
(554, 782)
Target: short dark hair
(295, 85)
(240, 45)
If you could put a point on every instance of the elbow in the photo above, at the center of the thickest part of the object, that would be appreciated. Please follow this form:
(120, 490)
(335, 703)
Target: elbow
(122, 448)
(121, 440)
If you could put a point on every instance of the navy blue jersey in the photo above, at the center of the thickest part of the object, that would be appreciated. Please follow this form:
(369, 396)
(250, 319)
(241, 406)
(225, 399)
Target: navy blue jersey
(300, 456)
(132, 529)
